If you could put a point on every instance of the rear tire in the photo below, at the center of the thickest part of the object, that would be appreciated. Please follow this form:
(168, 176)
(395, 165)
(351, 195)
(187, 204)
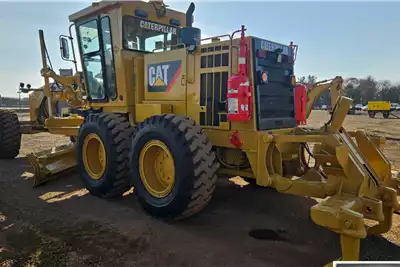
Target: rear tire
(10, 134)
(385, 114)
(194, 165)
(113, 131)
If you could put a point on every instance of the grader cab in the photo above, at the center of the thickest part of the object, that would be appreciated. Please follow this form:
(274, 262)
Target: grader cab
(163, 113)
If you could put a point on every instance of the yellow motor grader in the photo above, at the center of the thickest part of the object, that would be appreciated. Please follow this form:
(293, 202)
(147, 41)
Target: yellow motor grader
(163, 113)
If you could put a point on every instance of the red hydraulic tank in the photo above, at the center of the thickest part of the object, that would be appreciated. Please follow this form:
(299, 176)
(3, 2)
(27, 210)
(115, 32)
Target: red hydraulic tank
(300, 103)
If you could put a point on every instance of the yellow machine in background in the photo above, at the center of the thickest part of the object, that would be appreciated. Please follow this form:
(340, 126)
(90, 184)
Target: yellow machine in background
(335, 86)
(43, 118)
(160, 112)
(377, 107)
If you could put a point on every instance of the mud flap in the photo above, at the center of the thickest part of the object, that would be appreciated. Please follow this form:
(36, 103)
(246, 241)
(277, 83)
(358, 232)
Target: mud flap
(46, 164)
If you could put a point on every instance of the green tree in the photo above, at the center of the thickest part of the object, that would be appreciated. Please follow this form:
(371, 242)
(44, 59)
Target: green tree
(352, 89)
(301, 80)
(389, 92)
(311, 79)
(369, 89)
(307, 81)
(354, 92)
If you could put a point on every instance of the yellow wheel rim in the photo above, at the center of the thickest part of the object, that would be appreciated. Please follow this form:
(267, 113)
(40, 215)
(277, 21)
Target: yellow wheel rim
(94, 156)
(157, 168)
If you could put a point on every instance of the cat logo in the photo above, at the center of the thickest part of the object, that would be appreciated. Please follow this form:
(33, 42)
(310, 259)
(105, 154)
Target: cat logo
(162, 76)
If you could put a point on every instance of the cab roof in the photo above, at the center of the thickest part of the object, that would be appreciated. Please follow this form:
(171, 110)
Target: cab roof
(96, 7)
(104, 5)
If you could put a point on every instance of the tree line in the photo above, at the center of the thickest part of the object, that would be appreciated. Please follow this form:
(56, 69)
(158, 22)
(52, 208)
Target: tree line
(13, 101)
(360, 90)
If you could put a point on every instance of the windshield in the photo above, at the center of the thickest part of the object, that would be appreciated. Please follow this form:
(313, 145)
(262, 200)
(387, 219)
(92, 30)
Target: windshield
(148, 36)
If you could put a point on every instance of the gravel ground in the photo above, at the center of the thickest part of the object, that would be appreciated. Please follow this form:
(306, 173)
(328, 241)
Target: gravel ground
(60, 224)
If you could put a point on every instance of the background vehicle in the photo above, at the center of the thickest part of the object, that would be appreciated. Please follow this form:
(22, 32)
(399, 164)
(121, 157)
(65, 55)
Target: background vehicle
(384, 107)
(394, 106)
(358, 107)
(352, 110)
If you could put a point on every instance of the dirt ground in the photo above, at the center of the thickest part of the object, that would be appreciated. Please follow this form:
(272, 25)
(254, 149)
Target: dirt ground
(60, 224)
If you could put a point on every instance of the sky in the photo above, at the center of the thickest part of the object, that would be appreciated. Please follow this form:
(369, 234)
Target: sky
(350, 39)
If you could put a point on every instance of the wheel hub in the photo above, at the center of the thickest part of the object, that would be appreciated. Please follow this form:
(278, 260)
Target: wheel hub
(157, 168)
(94, 156)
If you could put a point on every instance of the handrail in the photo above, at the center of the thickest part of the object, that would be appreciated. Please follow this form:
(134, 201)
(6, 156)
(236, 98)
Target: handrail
(210, 38)
(233, 34)
(72, 46)
(230, 47)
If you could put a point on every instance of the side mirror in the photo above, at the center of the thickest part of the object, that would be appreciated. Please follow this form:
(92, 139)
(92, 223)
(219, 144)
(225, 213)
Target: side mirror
(64, 47)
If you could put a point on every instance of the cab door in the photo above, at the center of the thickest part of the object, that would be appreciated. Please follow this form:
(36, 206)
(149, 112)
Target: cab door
(95, 43)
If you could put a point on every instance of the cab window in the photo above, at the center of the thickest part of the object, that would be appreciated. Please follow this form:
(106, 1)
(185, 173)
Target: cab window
(109, 67)
(98, 59)
(89, 37)
(94, 77)
(92, 59)
(148, 36)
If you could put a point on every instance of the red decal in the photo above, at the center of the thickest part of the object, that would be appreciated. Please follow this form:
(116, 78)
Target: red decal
(173, 80)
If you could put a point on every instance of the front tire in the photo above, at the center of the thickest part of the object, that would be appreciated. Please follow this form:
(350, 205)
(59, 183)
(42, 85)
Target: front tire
(10, 134)
(173, 150)
(102, 154)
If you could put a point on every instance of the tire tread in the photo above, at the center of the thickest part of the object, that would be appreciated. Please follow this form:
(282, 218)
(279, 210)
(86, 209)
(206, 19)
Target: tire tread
(10, 136)
(119, 127)
(200, 151)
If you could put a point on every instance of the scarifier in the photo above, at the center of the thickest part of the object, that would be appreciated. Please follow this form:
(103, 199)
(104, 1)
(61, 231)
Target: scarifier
(155, 109)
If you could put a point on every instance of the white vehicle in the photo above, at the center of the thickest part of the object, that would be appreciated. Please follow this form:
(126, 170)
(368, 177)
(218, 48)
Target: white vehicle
(358, 107)
(394, 106)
